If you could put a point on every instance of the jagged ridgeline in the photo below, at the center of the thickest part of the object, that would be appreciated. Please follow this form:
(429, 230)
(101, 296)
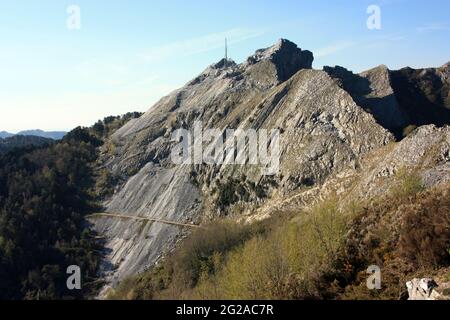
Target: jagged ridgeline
(341, 134)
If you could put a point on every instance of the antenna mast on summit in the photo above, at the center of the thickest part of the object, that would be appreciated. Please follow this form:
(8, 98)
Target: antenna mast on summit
(226, 49)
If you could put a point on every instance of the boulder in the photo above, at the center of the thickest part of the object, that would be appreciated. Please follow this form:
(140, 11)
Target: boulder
(424, 289)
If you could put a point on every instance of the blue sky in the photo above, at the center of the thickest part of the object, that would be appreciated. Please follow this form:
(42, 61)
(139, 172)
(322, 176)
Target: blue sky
(128, 54)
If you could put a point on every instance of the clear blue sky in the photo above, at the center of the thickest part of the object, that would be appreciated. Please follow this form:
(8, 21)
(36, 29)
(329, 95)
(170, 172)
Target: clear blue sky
(128, 54)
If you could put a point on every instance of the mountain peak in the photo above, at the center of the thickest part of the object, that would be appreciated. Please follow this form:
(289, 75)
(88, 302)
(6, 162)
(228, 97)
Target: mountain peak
(281, 46)
(287, 57)
(224, 63)
(284, 56)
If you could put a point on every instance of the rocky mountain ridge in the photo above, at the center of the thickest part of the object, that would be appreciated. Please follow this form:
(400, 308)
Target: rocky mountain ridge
(337, 130)
(398, 98)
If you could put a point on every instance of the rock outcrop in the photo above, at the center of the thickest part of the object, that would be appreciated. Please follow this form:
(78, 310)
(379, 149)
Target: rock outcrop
(426, 151)
(285, 56)
(399, 98)
(425, 289)
(373, 91)
(424, 94)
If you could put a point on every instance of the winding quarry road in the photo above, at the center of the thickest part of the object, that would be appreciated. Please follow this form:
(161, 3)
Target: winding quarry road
(138, 218)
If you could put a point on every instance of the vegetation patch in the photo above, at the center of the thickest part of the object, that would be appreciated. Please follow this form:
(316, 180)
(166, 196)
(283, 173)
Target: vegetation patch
(45, 193)
(322, 253)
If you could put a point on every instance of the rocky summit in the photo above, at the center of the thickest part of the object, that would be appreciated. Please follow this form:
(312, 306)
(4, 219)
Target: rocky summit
(339, 131)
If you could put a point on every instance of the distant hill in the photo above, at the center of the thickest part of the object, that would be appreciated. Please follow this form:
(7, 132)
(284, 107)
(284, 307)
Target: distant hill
(4, 134)
(20, 141)
(55, 135)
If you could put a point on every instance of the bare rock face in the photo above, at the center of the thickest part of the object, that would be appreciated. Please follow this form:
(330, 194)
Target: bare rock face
(373, 91)
(324, 130)
(426, 151)
(400, 98)
(286, 56)
(424, 94)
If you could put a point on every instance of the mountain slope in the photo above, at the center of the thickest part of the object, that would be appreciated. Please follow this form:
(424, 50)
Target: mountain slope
(426, 152)
(323, 131)
(327, 132)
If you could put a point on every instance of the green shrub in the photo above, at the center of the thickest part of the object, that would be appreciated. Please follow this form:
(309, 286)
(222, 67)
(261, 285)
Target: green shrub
(425, 232)
(285, 263)
(408, 184)
(406, 236)
(198, 257)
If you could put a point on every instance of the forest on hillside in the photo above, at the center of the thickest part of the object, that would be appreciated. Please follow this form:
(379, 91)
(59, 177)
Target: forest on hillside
(45, 192)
